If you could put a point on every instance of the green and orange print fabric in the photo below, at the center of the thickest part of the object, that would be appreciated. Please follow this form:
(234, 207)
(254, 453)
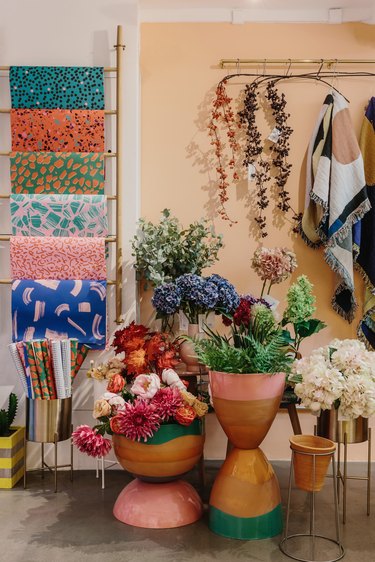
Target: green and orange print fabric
(57, 172)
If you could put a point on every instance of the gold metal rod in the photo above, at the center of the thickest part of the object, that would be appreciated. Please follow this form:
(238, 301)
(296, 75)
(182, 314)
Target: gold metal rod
(9, 281)
(109, 197)
(119, 52)
(327, 62)
(106, 154)
(106, 111)
(106, 68)
(6, 237)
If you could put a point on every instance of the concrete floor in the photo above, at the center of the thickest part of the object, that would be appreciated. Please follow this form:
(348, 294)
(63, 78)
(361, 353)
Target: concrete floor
(77, 525)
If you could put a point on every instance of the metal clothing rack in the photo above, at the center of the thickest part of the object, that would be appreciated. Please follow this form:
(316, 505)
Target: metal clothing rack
(117, 238)
(235, 63)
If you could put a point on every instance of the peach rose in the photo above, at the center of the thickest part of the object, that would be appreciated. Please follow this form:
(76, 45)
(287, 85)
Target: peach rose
(116, 383)
(101, 408)
(185, 415)
(146, 386)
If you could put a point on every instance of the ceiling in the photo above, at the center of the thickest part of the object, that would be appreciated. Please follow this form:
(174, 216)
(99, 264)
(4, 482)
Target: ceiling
(248, 4)
(240, 11)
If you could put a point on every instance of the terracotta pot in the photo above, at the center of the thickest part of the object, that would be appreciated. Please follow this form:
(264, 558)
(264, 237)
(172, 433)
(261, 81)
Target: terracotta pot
(173, 450)
(329, 426)
(187, 351)
(305, 448)
(245, 501)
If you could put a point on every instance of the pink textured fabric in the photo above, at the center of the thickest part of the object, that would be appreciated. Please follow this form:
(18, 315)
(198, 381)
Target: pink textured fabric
(49, 257)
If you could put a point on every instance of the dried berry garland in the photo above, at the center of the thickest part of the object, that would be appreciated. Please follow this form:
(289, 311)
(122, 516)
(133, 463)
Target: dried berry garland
(223, 114)
(253, 154)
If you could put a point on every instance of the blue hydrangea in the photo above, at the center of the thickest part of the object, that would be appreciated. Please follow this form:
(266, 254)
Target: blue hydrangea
(228, 298)
(167, 298)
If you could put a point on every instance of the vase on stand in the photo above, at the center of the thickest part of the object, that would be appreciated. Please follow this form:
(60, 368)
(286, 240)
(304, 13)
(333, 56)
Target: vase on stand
(187, 351)
(330, 426)
(158, 498)
(245, 501)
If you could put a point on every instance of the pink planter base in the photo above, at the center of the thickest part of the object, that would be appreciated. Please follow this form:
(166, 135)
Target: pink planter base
(158, 506)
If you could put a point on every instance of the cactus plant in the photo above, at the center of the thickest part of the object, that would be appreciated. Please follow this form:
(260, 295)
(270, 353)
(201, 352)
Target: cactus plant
(7, 416)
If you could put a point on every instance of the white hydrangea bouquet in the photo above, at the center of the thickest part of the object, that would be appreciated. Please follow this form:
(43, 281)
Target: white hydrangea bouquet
(340, 375)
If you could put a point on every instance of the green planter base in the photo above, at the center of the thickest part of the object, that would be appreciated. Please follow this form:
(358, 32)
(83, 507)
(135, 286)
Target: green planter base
(246, 528)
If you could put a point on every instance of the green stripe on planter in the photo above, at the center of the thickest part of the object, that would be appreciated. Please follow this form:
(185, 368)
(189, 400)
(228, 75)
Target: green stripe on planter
(173, 430)
(246, 528)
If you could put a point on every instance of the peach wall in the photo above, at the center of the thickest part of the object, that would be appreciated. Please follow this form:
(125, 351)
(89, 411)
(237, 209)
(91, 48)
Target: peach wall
(179, 73)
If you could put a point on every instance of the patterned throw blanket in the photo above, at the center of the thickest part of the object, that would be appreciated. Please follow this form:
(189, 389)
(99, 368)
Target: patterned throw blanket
(365, 231)
(336, 196)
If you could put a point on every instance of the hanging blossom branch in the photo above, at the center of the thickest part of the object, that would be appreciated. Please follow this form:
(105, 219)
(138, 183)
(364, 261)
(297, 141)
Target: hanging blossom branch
(253, 154)
(280, 149)
(223, 114)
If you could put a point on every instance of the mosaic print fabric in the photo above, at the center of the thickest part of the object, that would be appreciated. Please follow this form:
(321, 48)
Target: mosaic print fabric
(59, 309)
(57, 130)
(58, 215)
(48, 257)
(53, 87)
(57, 172)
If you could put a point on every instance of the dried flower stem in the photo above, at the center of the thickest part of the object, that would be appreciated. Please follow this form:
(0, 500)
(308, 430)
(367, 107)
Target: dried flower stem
(223, 114)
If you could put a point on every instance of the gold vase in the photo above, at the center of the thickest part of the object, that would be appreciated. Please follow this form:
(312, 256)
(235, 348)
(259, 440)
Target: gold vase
(309, 473)
(330, 427)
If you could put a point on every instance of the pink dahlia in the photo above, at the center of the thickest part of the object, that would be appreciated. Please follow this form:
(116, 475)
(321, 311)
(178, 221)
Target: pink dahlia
(88, 441)
(137, 421)
(167, 401)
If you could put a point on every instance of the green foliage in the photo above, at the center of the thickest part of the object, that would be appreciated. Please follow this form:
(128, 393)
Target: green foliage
(246, 355)
(166, 250)
(7, 416)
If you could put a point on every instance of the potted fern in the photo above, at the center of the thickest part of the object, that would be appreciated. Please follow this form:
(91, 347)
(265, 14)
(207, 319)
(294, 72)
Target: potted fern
(11, 446)
(247, 373)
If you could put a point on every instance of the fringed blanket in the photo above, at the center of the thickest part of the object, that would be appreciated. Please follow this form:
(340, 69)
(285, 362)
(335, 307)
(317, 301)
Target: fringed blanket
(336, 196)
(365, 235)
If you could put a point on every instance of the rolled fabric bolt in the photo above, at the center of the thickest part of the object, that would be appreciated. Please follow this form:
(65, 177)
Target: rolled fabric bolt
(33, 370)
(171, 378)
(19, 367)
(58, 369)
(40, 367)
(73, 356)
(81, 356)
(66, 361)
(48, 368)
(21, 347)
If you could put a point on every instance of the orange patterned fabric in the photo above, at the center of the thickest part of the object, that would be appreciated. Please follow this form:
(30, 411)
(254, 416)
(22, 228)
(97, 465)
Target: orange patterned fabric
(50, 257)
(57, 130)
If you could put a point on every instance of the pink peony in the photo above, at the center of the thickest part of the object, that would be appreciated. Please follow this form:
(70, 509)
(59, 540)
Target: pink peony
(167, 401)
(88, 441)
(116, 402)
(146, 386)
(171, 378)
(137, 421)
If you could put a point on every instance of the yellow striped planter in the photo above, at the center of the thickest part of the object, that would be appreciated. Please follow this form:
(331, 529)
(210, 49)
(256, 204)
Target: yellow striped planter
(12, 457)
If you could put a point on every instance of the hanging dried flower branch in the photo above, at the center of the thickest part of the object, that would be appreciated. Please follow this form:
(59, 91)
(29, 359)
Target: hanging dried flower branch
(260, 167)
(223, 114)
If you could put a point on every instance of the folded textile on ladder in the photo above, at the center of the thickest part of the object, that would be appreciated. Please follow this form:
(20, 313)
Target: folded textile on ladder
(336, 196)
(365, 231)
(58, 215)
(59, 310)
(53, 257)
(57, 172)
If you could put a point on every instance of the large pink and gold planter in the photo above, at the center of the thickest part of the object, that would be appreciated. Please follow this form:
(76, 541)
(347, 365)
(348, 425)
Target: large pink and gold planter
(158, 498)
(245, 501)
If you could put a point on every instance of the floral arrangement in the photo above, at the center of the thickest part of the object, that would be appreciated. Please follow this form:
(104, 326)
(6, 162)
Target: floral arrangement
(166, 250)
(195, 295)
(143, 391)
(258, 343)
(340, 375)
